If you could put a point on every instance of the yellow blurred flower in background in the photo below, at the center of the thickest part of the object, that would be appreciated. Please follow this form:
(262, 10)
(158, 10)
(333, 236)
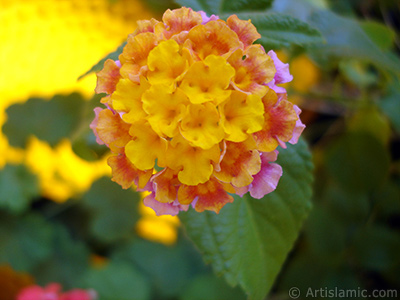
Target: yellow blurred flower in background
(61, 172)
(162, 229)
(306, 75)
(46, 45)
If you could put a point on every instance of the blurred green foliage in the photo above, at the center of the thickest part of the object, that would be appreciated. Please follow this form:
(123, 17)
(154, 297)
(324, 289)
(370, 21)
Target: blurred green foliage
(351, 238)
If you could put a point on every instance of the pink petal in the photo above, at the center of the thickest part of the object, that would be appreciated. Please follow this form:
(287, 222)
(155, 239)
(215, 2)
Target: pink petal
(299, 127)
(207, 19)
(267, 179)
(94, 123)
(164, 208)
(269, 156)
(280, 142)
(240, 191)
(275, 88)
(282, 74)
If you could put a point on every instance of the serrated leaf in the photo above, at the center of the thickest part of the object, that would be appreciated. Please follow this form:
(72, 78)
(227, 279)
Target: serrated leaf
(24, 242)
(118, 281)
(18, 188)
(249, 240)
(113, 210)
(97, 67)
(279, 30)
(48, 120)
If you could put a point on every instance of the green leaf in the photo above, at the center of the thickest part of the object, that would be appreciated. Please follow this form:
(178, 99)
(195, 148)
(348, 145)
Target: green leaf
(320, 3)
(113, 210)
(358, 72)
(99, 66)
(68, 262)
(83, 139)
(344, 36)
(118, 281)
(24, 242)
(245, 5)
(249, 240)
(358, 161)
(380, 34)
(48, 120)
(279, 30)
(87, 148)
(226, 6)
(208, 6)
(18, 188)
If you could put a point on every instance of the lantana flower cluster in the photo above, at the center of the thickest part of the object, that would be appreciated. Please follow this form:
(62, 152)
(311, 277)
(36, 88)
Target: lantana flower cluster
(193, 113)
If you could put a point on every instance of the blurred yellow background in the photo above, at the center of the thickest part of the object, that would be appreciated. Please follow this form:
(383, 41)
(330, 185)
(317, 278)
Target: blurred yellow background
(46, 45)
